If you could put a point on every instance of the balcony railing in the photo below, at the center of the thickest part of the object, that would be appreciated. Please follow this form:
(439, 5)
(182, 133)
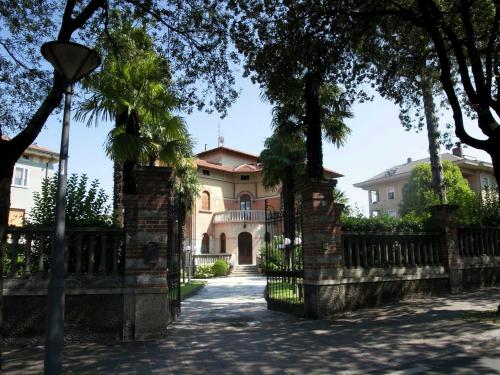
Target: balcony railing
(239, 216)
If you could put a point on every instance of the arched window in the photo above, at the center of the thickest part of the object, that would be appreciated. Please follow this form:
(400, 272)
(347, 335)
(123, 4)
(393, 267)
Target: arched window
(205, 244)
(245, 202)
(205, 201)
(222, 243)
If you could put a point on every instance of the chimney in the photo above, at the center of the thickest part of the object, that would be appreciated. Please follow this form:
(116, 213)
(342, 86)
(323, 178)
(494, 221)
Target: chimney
(457, 150)
(408, 161)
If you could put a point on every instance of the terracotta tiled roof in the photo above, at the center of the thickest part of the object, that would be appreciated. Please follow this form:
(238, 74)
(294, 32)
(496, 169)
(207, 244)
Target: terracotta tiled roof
(403, 170)
(243, 168)
(227, 150)
(36, 148)
(248, 168)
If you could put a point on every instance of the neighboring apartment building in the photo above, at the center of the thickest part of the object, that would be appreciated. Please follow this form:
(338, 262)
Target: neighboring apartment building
(35, 164)
(228, 217)
(385, 189)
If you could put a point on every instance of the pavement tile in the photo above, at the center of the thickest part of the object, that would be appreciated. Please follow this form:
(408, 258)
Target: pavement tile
(227, 329)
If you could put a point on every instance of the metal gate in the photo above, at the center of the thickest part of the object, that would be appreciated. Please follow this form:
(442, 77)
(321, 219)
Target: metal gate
(174, 262)
(283, 261)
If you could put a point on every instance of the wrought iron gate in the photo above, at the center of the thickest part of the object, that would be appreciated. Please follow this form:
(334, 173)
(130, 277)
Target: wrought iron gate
(283, 261)
(174, 262)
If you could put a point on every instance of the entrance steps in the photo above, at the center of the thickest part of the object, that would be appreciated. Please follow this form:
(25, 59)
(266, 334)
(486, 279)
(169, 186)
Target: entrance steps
(245, 270)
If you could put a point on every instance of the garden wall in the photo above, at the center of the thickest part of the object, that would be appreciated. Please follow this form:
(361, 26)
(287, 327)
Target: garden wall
(84, 313)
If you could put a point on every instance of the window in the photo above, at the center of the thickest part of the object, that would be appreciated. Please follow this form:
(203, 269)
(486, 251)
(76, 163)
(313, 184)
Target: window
(20, 176)
(245, 203)
(487, 183)
(206, 172)
(222, 243)
(374, 196)
(374, 213)
(391, 194)
(205, 244)
(392, 212)
(205, 201)
(244, 177)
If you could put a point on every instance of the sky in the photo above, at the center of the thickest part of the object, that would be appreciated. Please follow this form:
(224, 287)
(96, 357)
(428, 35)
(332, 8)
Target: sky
(377, 142)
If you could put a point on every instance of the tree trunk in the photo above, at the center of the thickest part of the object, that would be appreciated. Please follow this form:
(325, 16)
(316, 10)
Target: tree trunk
(433, 137)
(289, 214)
(313, 126)
(6, 172)
(495, 158)
(132, 127)
(117, 193)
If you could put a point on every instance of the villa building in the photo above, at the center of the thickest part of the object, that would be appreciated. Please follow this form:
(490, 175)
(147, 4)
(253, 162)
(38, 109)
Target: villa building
(35, 164)
(228, 217)
(385, 190)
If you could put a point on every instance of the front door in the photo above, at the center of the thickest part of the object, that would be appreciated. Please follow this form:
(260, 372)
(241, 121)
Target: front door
(245, 248)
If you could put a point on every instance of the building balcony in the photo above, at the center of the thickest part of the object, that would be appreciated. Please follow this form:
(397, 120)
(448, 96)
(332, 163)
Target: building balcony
(235, 216)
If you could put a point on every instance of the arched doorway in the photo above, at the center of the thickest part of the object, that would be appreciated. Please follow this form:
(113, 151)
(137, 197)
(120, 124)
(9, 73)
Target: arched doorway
(244, 248)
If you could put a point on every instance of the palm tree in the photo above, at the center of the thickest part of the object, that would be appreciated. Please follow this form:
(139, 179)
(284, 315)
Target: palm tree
(283, 163)
(133, 89)
(292, 116)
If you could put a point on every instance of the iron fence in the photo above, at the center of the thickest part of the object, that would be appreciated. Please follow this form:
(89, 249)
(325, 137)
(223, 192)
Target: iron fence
(174, 251)
(283, 260)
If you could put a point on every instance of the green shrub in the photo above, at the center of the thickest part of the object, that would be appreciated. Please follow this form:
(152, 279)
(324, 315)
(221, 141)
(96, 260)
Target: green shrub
(203, 272)
(484, 210)
(383, 223)
(86, 203)
(273, 258)
(220, 268)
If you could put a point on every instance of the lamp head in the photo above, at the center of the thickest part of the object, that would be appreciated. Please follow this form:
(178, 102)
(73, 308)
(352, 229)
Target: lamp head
(72, 60)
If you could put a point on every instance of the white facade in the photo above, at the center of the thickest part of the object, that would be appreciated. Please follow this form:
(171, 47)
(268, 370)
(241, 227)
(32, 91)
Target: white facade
(34, 165)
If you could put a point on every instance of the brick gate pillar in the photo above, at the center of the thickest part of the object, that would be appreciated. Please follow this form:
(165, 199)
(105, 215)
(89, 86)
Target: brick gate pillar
(444, 220)
(145, 307)
(323, 258)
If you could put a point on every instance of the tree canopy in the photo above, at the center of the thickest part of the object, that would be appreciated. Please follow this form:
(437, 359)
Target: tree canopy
(464, 40)
(87, 205)
(297, 47)
(418, 194)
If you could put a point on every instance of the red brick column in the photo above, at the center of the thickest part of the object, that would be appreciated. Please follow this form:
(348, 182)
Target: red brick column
(323, 257)
(145, 311)
(443, 219)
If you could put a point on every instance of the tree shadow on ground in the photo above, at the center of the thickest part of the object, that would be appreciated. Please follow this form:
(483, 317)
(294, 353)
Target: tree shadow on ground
(245, 338)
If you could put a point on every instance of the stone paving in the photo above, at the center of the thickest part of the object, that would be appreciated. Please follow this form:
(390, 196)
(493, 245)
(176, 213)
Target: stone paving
(226, 329)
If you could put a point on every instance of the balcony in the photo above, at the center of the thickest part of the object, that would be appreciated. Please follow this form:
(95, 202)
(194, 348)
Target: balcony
(235, 216)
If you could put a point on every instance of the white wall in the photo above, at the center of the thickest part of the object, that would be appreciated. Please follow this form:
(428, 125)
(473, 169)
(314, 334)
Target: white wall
(21, 197)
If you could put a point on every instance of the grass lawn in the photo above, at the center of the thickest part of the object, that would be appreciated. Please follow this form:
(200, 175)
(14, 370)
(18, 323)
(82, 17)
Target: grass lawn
(285, 291)
(192, 287)
(490, 316)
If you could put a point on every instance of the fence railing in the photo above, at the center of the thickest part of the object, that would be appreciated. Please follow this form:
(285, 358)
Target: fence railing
(477, 241)
(369, 250)
(88, 252)
(204, 259)
(239, 215)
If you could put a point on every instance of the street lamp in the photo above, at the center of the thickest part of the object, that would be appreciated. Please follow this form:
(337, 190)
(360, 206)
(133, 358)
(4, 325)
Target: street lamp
(73, 62)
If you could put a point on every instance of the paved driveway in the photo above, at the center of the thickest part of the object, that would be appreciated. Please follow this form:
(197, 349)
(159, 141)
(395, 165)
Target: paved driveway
(226, 329)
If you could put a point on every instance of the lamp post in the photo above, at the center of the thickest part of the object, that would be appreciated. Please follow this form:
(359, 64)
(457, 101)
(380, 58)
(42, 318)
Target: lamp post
(73, 62)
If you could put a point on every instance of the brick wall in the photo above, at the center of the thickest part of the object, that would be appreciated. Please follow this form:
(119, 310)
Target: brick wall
(146, 216)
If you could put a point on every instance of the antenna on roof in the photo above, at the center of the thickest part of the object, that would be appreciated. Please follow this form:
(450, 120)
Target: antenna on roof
(220, 138)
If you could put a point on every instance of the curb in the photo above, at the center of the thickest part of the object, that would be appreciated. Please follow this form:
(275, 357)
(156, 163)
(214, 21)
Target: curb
(194, 291)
